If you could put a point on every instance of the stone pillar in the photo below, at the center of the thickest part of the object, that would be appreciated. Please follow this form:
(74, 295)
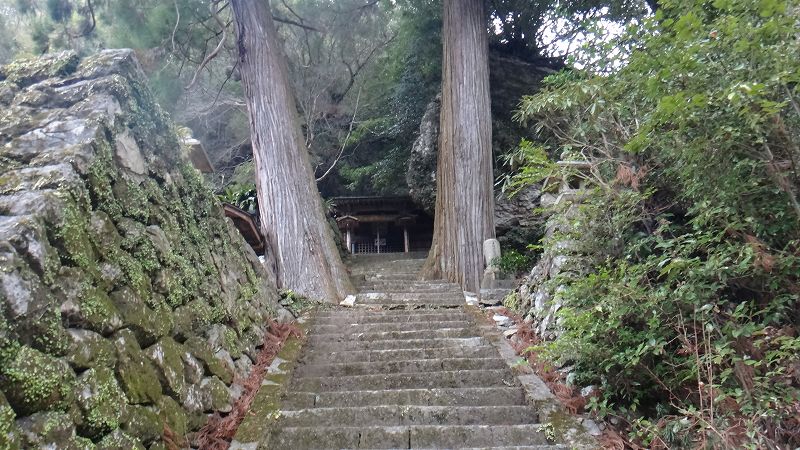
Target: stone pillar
(378, 240)
(491, 251)
(349, 241)
(405, 239)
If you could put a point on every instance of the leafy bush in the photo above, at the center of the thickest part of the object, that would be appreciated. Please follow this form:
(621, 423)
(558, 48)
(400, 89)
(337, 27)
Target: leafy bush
(242, 196)
(689, 318)
(513, 263)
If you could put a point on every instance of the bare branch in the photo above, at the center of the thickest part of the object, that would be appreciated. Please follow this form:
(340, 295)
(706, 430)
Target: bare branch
(297, 24)
(344, 144)
(177, 22)
(216, 51)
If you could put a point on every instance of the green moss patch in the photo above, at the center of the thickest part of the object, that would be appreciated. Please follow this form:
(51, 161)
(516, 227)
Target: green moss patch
(34, 381)
(100, 400)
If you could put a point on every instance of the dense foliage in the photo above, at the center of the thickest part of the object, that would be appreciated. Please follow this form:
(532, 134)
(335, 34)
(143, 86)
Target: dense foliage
(688, 318)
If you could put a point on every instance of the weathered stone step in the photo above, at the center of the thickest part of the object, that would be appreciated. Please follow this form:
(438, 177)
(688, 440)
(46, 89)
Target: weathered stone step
(320, 369)
(403, 344)
(411, 286)
(407, 296)
(350, 327)
(395, 415)
(449, 302)
(462, 332)
(354, 315)
(410, 276)
(421, 380)
(424, 436)
(480, 396)
(404, 291)
(485, 351)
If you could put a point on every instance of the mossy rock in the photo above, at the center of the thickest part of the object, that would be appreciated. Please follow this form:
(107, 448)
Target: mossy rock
(25, 72)
(158, 445)
(89, 308)
(74, 240)
(194, 317)
(166, 355)
(10, 433)
(217, 394)
(34, 381)
(201, 350)
(104, 233)
(147, 324)
(29, 305)
(48, 429)
(173, 415)
(44, 333)
(142, 423)
(196, 421)
(101, 402)
(119, 440)
(89, 350)
(224, 337)
(136, 374)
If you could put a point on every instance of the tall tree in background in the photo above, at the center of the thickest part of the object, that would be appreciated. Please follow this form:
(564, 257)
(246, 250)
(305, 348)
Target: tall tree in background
(305, 257)
(464, 199)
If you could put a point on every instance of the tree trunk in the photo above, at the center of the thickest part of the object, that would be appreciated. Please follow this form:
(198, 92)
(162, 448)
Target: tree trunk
(305, 257)
(464, 187)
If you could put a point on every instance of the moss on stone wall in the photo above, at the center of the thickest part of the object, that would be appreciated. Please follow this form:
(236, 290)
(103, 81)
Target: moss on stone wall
(132, 305)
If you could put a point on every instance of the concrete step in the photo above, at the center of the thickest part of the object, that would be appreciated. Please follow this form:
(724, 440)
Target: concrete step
(390, 416)
(480, 396)
(343, 327)
(420, 380)
(373, 336)
(321, 369)
(376, 356)
(406, 344)
(355, 315)
(422, 436)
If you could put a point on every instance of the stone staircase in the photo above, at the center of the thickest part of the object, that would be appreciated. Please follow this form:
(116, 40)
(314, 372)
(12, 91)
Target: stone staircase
(407, 367)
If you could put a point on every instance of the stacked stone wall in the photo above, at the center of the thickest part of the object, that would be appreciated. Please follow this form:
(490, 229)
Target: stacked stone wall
(129, 305)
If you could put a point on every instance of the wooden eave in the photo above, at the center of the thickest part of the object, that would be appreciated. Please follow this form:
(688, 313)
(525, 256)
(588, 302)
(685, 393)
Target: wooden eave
(198, 155)
(247, 226)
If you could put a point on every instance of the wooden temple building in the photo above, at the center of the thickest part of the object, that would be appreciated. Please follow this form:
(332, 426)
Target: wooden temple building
(383, 224)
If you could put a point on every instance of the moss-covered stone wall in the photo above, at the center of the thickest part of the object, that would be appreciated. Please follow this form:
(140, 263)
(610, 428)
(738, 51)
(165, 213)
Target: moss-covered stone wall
(128, 303)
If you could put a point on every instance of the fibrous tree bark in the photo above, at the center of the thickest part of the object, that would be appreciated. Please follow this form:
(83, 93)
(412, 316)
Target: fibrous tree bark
(464, 189)
(304, 255)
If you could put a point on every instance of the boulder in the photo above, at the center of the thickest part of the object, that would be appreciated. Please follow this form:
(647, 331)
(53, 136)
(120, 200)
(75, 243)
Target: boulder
(173, 415)
(136, 373)
(142, 423)
(86, 306)
(49, 429)
(89, 349)
(167, 354)
(213, 365)
(29, 305)
(147, 324)
(34, 381)
(10, 433)
(100, 400)
(119, 440)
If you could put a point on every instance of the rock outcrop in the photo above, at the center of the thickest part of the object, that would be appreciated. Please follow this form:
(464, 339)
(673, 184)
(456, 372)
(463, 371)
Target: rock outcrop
(129, 305)
(510, 79)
